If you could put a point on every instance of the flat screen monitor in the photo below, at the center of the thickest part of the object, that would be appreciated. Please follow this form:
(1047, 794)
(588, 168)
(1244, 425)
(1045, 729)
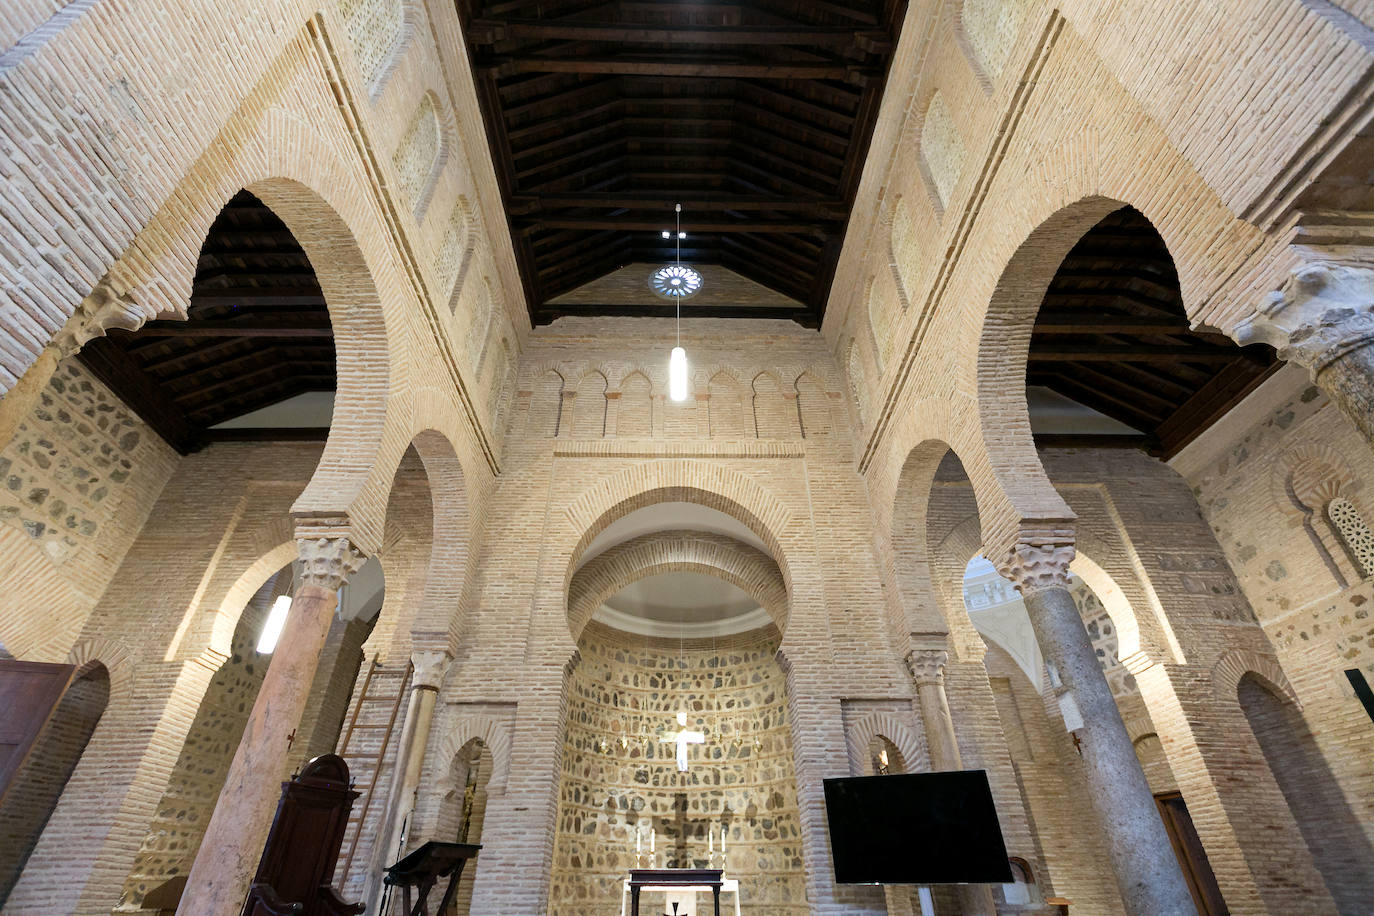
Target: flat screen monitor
(918, 828)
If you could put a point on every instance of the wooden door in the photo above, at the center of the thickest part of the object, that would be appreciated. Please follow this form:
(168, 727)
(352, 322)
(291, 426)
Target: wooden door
(1191, 856)
(29, 692)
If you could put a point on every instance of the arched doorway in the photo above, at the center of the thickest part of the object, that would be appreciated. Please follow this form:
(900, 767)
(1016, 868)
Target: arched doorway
(1334, 835)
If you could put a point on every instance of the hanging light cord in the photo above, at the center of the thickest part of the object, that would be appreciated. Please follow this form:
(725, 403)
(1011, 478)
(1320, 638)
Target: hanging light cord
(678, 299)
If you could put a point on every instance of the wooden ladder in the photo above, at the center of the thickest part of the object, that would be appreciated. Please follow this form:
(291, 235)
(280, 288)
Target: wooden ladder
(368, 696)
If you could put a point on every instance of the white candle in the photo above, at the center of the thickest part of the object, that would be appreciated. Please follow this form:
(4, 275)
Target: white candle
(639, 839)
(653, 835)
(722, 840)
(710, 841)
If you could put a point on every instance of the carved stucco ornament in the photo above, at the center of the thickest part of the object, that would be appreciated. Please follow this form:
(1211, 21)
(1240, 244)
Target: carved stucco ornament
(927, 666)
(1038, 562)
(110, 305)
(328, 562)
(1324, 311)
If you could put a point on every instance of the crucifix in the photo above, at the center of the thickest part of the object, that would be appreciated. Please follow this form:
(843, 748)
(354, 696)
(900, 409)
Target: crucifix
(683, 738)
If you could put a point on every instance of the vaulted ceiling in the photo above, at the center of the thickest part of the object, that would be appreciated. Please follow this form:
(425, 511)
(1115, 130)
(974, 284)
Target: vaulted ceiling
(755, 115)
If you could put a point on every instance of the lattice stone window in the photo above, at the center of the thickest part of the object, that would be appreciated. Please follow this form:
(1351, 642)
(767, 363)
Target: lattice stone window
(990, 28)
(374, 26)
(418, 152)
(1359, 540)
(942, 149)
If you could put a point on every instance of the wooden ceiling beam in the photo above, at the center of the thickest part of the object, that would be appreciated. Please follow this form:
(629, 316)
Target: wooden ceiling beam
(757, 226)
(826, 208)
(232, 328)
(1082, 321)
(484, 32)
(1114, 406)
(1143, 353)
(670, 69)
(273, 296)
(668, 309)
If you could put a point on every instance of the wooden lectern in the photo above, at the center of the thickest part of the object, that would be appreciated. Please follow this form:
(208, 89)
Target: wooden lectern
(297, 865)
(421, 869)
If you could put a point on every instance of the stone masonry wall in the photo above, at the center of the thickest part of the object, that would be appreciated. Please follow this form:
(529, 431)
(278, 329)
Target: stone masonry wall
(620, 780)
(1264, 477)
(77, 482)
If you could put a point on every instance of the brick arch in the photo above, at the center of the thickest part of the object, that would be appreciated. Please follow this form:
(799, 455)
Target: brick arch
(441, 608)
(229, 608)
(879, 724)
(934, 428)
(493, 733)
(676, 551)
(327, 207)
(113, 655)
(923, 434)
(1235, 664)
(1079, 181)
(1308, 476)
(705, 484)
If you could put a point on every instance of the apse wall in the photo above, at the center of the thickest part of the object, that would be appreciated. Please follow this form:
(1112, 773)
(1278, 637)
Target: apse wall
(632, 687)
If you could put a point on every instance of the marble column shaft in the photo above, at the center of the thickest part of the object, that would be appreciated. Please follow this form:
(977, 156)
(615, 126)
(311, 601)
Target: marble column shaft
(233, 841)
(1143, 860)
(927, 667)
(427, 675)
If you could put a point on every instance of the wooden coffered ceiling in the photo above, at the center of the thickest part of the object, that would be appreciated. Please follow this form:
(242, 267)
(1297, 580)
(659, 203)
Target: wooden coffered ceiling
(1112, 335)
(755, 115)
(257, 332)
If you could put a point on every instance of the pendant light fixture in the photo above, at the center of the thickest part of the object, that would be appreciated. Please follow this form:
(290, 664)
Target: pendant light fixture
(677, 282)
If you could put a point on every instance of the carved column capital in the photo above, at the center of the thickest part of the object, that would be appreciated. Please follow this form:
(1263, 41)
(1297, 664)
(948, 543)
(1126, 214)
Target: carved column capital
(927, 666)
(108, 306)
(328, 562)
(1323, 311)
(1037, 563)
(430, 668)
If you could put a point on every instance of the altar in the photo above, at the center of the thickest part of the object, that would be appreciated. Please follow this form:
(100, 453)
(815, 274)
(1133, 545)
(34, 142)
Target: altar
(678, 880)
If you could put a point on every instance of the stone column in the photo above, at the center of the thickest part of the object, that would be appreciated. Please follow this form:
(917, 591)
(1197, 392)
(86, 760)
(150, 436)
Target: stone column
(1323, 318)
(927, 667)
(233, 841)
(1147, 872)
(426, 677)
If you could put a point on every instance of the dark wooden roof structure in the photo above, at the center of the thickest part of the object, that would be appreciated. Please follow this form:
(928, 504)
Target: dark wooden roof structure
(756, 115)
(257, 333)
(1112, 335)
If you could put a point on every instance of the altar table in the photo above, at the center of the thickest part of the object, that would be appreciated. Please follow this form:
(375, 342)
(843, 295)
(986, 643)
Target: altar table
(668, 879)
